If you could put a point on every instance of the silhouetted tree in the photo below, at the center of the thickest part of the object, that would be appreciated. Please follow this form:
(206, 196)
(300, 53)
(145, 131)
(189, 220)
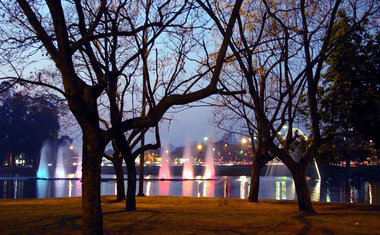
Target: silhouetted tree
(350, 95)
(81, 38)
(279, 52)
(25, 122)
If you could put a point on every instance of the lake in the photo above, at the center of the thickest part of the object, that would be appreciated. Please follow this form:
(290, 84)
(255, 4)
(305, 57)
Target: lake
(271, 187)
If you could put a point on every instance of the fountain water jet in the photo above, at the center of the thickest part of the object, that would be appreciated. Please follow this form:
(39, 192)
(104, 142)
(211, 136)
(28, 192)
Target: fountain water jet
(164, 172)
(43, 171)
(187, 172)
(78, 171)
(60, 167)
(209, 171)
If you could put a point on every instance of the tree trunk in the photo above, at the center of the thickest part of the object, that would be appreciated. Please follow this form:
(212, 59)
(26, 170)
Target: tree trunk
(130, 204)
(91, 199)
(303, 194)
(255, 182)
(120, 194)
(141, 179)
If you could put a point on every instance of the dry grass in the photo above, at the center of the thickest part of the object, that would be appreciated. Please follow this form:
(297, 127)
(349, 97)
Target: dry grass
(188, 215)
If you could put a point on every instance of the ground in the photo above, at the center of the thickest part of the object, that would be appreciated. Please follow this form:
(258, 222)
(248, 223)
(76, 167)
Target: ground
(188, 215)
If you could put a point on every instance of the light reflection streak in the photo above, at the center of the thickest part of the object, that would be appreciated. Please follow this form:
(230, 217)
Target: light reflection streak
(243, 181)
(292, 190)
(15, 189)
(187, 188)
(242, 189)
(328, 195)
(78, 188)
(115, 188)
(283, 190)
(43, 188)
(210, 185)
(280, 190)
(198, 186)
(59, 188)
(352, 200)
(148, 186)
(316, 195)
(164, 187)
(225, 189)
(70, 188)
(199, 181)
(370, 193)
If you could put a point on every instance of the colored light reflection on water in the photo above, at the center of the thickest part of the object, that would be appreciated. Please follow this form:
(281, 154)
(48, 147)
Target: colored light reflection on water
(279, 188)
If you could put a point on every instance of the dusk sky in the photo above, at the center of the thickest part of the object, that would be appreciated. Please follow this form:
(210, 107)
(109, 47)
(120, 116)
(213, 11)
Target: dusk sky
(192, 124)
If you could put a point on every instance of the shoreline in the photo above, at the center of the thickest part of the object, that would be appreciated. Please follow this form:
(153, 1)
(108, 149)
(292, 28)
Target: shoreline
(326, 171)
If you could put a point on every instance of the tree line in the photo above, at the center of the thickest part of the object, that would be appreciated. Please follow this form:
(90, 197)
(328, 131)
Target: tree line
(26, 121)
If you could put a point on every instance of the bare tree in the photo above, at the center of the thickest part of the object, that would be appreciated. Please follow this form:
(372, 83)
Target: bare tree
(313, 22)
(259, 65)
(76, 37)
(280, 61)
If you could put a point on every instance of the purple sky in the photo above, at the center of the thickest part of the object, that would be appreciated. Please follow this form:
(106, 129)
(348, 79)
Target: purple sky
(192, 124)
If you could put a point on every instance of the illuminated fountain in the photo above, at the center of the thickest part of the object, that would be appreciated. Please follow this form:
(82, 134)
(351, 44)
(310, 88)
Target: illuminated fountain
(78, 171)
(43, 171)
(210, 170)
(187, 172)
(60, 167)
(164, 172)
(52, 160)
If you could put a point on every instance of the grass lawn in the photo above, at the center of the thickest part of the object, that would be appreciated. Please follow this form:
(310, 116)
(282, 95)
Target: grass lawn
(188, 215)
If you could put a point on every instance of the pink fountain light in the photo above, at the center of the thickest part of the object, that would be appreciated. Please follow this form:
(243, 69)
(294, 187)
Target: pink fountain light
(78, 171)
(210, 171)
(164, 172)
(187, 172)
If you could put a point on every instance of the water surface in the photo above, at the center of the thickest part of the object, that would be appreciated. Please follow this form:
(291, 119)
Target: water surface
(279, 188)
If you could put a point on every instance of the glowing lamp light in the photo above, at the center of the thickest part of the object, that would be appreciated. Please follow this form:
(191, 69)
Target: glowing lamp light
(199, 147)
(244, 140)
(71, 147)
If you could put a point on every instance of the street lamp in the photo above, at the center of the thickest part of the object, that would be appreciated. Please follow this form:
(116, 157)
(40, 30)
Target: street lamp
(244, 141)
(199, 147)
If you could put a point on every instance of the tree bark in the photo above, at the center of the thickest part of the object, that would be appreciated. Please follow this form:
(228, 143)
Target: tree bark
(255, 182)
(91, 199)
(130, 203)
(141, 179)
(120, 194)
(303, 194)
